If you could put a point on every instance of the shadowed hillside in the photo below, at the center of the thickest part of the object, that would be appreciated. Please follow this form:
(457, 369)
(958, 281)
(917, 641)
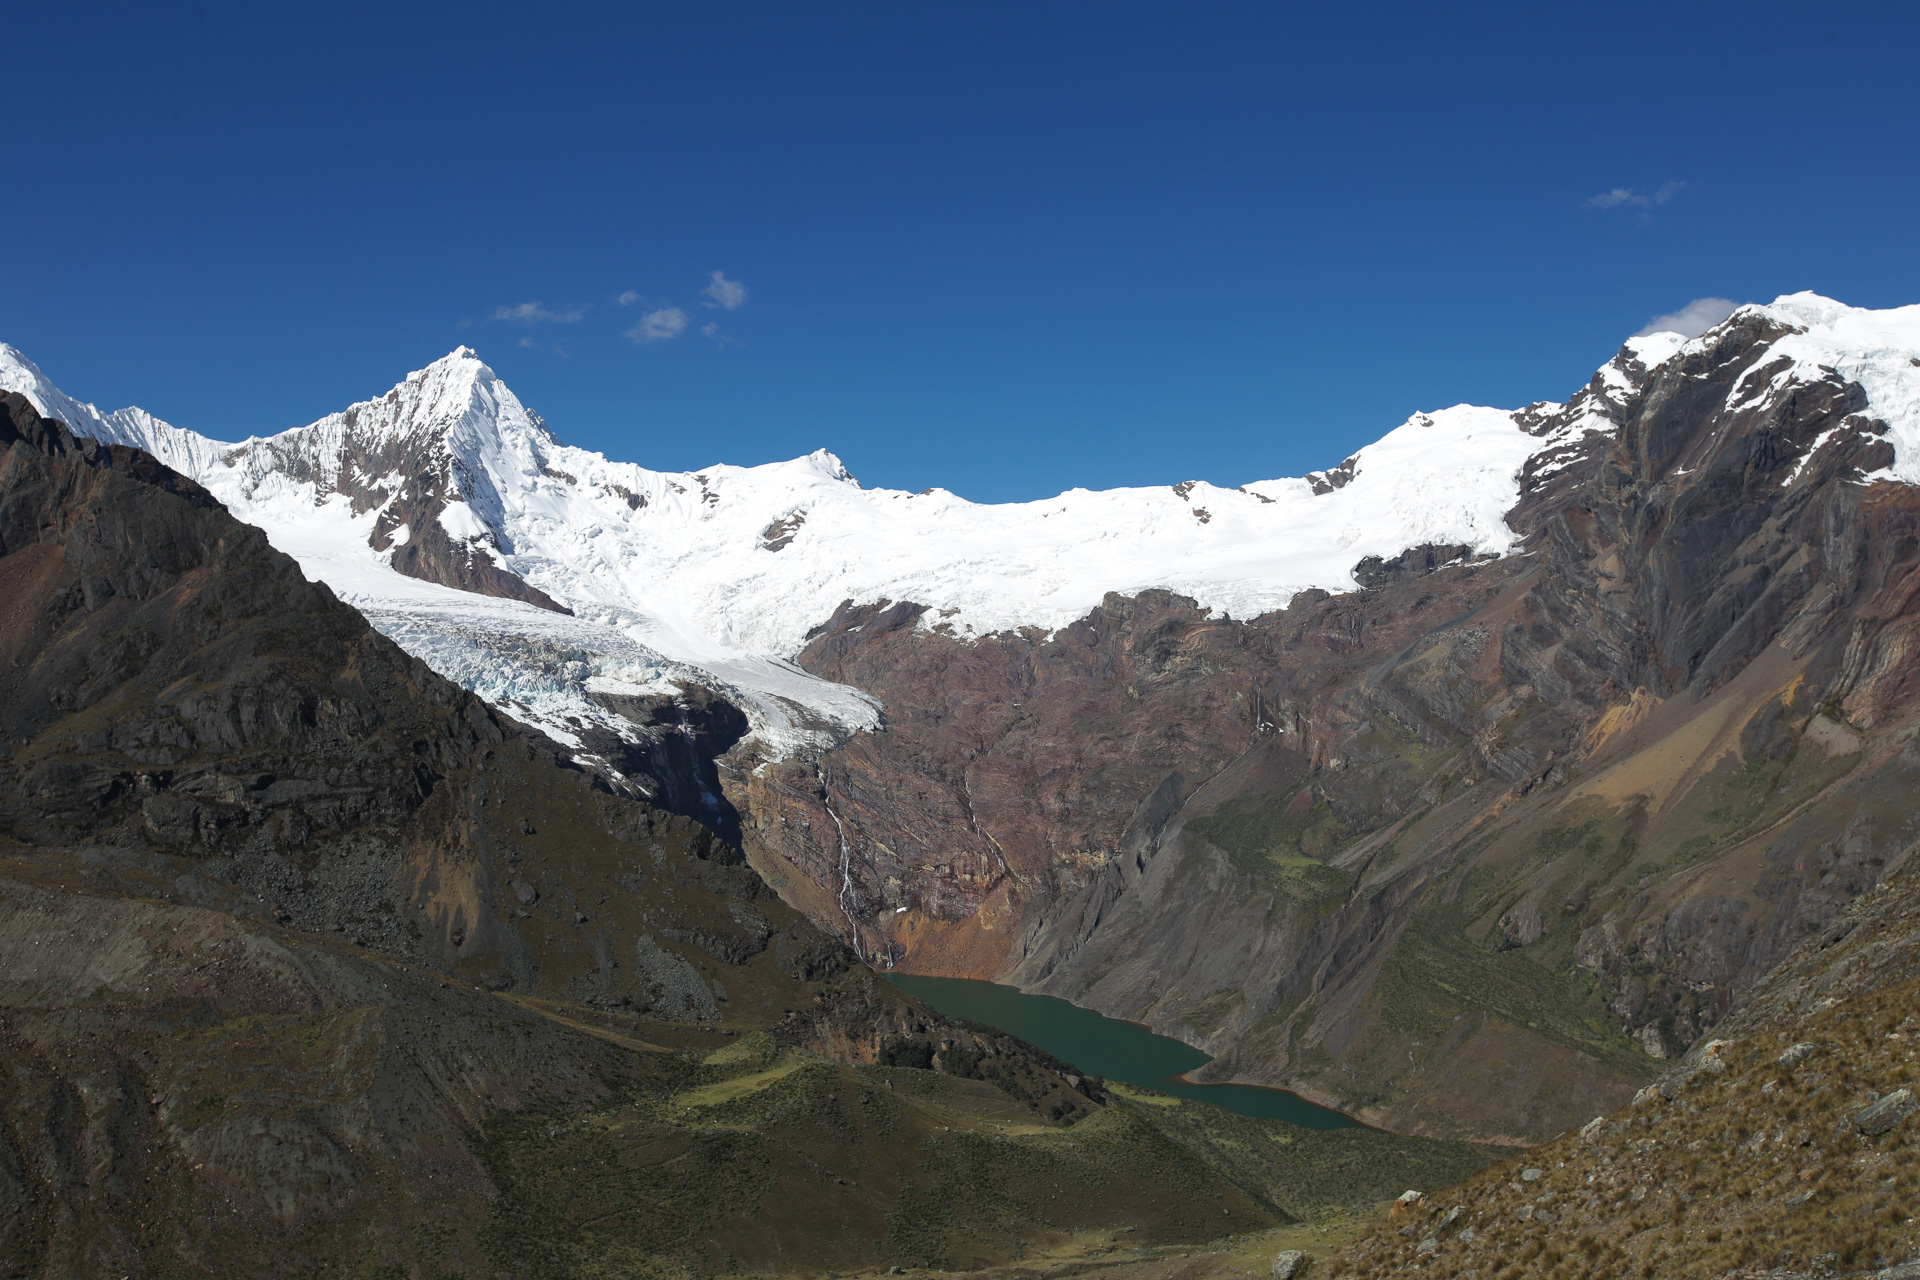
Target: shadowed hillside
(311, 964)
(1787, 1146)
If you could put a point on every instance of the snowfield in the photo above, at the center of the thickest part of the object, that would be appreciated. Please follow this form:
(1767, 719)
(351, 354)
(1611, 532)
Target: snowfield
(717, 576)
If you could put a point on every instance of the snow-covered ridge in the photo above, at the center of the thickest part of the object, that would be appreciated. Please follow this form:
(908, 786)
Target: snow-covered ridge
(185, 451)
(718, 575)
(1880, 350)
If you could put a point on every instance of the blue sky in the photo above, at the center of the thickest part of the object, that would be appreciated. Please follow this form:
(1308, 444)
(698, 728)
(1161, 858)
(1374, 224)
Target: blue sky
(1003, 248)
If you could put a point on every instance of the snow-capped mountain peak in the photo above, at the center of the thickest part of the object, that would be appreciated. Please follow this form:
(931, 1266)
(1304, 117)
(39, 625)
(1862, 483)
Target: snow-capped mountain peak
(544, 575)
(829, 465)
(457, 401)
(454, 418)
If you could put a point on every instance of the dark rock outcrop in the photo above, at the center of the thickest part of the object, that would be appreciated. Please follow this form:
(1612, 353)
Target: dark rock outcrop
(683, 736)
(1414, 562)
(433, 555)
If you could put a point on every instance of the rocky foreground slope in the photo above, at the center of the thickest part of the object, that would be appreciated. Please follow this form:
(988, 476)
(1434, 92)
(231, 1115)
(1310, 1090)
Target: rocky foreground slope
(1787, 1146)
(311, 964)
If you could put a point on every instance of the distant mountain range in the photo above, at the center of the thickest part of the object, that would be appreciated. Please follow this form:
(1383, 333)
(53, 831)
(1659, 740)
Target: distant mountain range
(721, 575)
(1456, 784)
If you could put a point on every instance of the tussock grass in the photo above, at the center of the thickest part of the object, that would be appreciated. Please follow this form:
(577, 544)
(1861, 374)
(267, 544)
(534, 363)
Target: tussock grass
(1754, 1168)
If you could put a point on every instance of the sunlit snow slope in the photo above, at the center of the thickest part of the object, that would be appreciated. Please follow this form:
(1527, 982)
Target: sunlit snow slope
(717, 576)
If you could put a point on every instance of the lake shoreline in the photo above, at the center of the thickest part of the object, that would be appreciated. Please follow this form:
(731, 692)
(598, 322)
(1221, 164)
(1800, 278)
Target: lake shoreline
(1114, 1049)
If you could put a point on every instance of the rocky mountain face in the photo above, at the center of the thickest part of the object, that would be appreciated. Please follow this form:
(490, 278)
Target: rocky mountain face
(312, 963)
(1459, 786)
(1042, 759)
(1468, 851)
(417, 458)
(408, 489)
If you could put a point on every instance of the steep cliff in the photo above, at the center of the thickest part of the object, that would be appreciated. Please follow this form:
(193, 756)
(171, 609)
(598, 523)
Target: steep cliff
(1467, 851)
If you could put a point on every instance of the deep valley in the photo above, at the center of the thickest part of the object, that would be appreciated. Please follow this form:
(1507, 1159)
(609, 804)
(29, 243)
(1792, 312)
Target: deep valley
(427, 849)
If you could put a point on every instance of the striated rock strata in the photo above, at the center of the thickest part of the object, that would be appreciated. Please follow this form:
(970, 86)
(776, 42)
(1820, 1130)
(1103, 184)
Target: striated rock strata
(1467, 852)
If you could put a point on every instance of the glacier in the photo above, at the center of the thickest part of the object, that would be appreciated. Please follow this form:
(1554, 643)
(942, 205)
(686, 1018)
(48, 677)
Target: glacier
(717, 576)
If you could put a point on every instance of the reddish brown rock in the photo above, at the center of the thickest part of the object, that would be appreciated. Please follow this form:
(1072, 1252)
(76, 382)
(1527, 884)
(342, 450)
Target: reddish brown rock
(1449, 851)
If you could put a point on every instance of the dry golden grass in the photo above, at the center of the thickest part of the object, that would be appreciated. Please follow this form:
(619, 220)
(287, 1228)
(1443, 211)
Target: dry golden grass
(1752, 1168)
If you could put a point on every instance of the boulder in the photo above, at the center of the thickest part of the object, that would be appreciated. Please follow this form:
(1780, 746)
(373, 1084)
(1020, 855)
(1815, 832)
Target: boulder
(1794, 1055)
(1889, 1111)
(1289, 1263)
(1675, 1084)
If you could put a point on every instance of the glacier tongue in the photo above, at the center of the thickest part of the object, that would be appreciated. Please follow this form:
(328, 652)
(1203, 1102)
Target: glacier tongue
(716, 577)
(552, 671)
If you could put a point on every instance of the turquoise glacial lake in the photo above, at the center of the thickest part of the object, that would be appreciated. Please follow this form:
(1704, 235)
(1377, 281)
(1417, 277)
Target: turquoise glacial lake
(1110, 1048)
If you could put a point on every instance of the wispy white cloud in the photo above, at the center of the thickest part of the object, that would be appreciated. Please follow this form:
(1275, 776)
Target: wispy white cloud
(1615, 198)
(1627, 197)
(724, 293)
(659, 325)
(627, 299)
(534, 313)
(1691, 320)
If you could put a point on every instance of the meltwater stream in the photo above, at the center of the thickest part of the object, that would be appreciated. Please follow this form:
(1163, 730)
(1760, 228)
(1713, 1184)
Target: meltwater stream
(1108, 1047)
